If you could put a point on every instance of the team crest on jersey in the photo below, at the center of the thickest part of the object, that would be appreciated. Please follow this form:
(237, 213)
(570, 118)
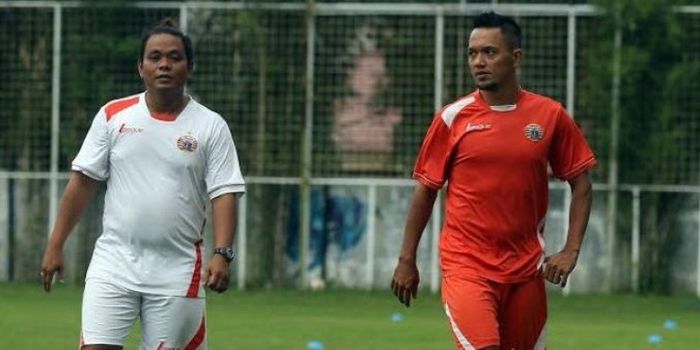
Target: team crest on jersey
(534, 132)
(187, 143)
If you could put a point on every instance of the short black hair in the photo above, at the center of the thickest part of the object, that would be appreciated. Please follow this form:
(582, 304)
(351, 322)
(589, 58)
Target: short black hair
(167, 26)
(510, 29)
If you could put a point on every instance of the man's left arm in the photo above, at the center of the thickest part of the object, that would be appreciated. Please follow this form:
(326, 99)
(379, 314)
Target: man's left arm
(224, 224)
(559, 266)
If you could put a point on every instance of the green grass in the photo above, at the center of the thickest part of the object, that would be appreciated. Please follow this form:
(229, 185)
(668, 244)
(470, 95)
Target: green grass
(30, 319)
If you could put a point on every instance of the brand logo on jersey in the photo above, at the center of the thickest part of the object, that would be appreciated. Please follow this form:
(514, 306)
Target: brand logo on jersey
(123, 129)
(534, 132)
(187, 143)
(476, 127)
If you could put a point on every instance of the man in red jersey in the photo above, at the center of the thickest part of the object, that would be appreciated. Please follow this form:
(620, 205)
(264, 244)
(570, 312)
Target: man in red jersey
(493, 147)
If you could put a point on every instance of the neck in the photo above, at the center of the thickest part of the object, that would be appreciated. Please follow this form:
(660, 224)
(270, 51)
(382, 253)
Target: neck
(505, 95)
(166, 101)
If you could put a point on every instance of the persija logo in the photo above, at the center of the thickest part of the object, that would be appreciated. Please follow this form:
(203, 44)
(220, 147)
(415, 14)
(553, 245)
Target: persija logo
(534, 132)
(123, 129)
(187, 143)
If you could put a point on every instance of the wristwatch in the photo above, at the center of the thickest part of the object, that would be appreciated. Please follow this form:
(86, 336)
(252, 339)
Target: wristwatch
(226, 252)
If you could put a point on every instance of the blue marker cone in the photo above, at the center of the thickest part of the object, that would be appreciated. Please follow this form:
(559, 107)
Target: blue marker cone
(397, 317)
(314, 345)
(670, 324)
(655, 339)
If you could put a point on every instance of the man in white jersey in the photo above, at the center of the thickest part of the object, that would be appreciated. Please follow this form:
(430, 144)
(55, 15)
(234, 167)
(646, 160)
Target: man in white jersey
(163, 157)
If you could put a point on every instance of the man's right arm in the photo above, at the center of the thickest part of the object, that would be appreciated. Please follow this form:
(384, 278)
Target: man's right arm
(406, 278)
(73, 203)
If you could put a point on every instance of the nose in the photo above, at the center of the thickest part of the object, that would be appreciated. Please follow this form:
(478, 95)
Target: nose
(164, 64)
(478, 60)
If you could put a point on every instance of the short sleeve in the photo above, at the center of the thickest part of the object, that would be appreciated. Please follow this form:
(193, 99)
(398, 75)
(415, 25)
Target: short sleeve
(223, 169)
(570, 154)
(93, 157)
(433, 158)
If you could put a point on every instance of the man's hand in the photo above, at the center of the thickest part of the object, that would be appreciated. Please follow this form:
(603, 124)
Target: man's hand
(405, 281)
(216, 276)
(559, 266)
(52, 263)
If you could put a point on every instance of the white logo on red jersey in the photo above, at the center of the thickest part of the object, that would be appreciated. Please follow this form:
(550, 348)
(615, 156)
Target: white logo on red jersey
(187, 143)
(123, 129)
(476, 127)
(534, 132)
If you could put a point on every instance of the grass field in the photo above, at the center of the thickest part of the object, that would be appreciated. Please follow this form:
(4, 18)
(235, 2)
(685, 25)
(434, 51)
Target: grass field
(30, 319)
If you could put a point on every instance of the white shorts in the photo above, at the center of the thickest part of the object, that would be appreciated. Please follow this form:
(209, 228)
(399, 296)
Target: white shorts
(167, 322)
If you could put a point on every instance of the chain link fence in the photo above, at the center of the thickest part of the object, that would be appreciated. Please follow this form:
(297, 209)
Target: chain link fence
(328, 103)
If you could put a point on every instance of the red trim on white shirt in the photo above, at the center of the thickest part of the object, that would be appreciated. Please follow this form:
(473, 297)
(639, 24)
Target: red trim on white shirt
(198, 338)
(193, 291)
(117, 106)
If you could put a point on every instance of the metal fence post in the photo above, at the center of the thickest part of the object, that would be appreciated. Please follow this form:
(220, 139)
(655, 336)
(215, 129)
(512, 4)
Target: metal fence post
(55, 115)
(371, 233)
(306, 156)
(570, 93)
(436, 215)
(242, 242)
(635, 238)
(697, 271)
(184, 17)
(11, 250)
(571, 64)
(612, 161)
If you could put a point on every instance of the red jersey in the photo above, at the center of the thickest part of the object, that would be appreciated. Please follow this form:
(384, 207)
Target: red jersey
(495, 162)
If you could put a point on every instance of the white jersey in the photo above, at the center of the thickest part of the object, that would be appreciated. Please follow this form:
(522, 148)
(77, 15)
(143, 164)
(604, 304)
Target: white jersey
(160, 176)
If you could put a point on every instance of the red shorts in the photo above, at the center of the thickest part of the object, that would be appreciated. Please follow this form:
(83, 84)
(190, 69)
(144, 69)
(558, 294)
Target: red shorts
(484, 313)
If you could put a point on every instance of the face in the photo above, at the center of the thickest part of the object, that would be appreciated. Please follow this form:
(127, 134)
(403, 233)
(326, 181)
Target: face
(164, 63)
(491, 60)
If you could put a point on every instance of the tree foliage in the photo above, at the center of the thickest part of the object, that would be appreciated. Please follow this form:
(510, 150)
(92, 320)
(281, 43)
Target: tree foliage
(655, 144)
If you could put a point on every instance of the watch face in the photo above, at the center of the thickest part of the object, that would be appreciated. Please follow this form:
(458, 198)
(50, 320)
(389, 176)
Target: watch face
(226, 252)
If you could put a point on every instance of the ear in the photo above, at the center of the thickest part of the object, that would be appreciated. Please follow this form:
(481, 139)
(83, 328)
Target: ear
(139, 67)
(517, 57)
